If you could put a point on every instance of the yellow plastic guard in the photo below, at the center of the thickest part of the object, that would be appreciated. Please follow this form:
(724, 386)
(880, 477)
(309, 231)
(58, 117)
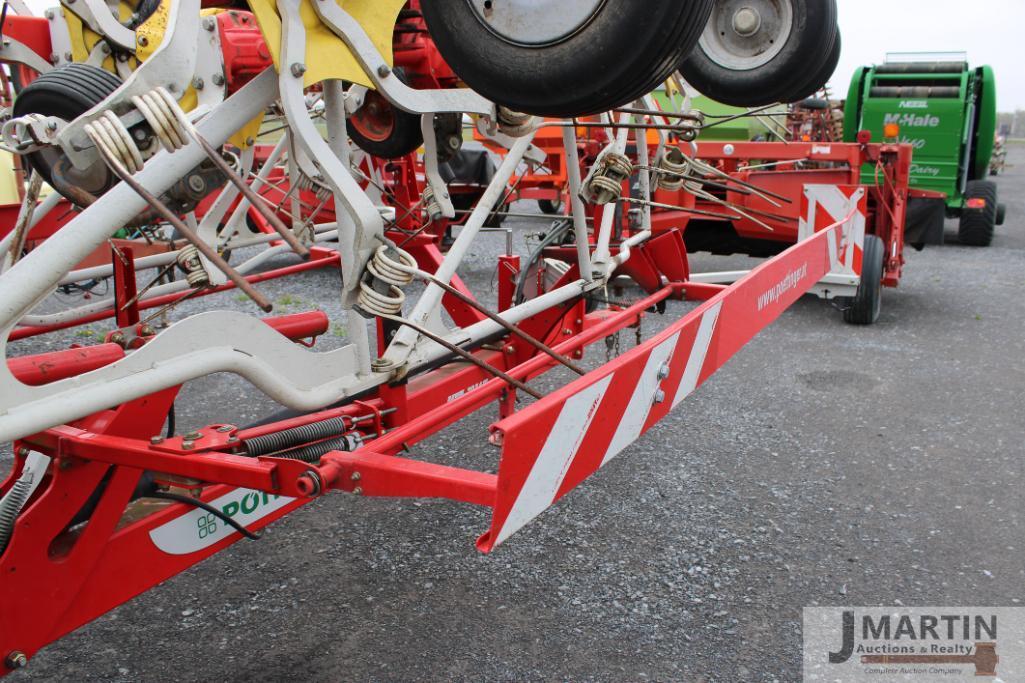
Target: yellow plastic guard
(327, 57)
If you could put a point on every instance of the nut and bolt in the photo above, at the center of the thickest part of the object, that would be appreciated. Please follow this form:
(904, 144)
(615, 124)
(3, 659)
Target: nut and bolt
(188, 445)
(194, 436)
(16, 660)
(146, 331)
(156, 440)
(218, 79)
(659, 397)
(663, 371)
(224, 429)
(198, 83)
(143, 41)
(358, 491)
(298, 69)
(249, 142)
(356, 476)
(209, 23)
(23, 452)
(384, 71)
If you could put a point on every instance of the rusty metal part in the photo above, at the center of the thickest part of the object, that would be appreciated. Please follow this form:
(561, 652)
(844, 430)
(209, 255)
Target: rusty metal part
(513, 329)
(465, 355)
(250, 194)
(205, 249)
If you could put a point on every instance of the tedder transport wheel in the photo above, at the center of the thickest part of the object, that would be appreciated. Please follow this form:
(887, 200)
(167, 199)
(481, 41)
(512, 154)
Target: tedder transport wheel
(978, 225)
(864, 307)
(756, 52)
(383, 130)
(820, 76)
(564, 58)
(67, 92)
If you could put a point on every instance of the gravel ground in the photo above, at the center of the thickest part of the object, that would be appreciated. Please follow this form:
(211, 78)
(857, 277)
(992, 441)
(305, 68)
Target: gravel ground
(824, 465)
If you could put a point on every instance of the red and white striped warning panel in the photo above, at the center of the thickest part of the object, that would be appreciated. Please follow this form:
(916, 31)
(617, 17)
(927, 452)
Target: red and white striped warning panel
(825, 205)
(552, 446)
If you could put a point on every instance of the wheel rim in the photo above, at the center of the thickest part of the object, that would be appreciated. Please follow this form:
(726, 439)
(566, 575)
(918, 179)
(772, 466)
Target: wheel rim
(742, 35)
(535, 23)
(375, 120)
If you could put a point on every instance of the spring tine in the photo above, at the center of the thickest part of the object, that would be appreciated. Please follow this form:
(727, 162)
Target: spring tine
(251, 195)
(209, 252)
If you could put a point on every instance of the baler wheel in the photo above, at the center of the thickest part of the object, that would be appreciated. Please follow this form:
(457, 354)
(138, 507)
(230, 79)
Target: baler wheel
(978, 226)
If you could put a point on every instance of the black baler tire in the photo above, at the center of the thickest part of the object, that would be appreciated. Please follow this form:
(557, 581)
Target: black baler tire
(867, 302)
(820, 76)
(810, 42)
(625, 52)
(978, 226)
(66, 92)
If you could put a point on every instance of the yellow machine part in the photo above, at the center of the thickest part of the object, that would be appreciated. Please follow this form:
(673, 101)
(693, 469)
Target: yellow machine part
(83, 39)
(327, 57)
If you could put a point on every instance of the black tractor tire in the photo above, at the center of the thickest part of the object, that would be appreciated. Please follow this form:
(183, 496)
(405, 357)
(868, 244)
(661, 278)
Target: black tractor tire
(383, 130)
(551, 207)
(820, 76)
(67, 92)
(624, 51)
(867, 302)
(978, 226)
(1001, 214)
(811, 41)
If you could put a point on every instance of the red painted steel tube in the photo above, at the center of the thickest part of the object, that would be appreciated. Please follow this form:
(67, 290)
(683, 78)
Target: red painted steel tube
(44, 368)
(322, 262)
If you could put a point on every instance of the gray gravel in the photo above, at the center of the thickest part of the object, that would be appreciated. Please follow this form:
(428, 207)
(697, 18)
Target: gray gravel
(824, 465)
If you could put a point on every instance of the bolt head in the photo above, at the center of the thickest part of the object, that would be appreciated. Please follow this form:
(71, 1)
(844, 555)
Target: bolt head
(358, 490)
(143, 41)
(198, 83)
(356, 476)
(188, 445)
(217, 79)
(660, 397)
(224, 429)
(663, 371)
(209, 23)
(384, 71)
(194, 436)
(16, 660)
(156, 440)
(298, 69)
(23, 452)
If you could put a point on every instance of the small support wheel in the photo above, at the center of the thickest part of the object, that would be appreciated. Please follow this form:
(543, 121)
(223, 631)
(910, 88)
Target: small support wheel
(867, 302)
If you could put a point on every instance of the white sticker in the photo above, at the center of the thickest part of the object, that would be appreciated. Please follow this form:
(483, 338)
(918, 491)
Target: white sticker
(199, 529)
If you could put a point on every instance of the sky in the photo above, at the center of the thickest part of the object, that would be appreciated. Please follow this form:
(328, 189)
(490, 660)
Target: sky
(990, 31)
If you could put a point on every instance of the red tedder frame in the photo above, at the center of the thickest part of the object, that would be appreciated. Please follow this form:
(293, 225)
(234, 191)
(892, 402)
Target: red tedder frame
(81, 546)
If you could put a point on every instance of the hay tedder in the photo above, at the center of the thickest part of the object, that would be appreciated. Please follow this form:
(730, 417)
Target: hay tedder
(181, 136)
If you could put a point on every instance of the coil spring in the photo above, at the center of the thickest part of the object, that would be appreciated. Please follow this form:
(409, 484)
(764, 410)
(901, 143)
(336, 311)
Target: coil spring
(316, 451)
(432, 205)
(11, 507)
(606, 184)
(674, 165)
(381, 293)
(109, 134)
(307, 184)
(189, 261)
(290, 438)
(161, 112)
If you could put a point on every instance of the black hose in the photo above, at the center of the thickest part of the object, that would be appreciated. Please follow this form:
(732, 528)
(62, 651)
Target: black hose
(189, 500)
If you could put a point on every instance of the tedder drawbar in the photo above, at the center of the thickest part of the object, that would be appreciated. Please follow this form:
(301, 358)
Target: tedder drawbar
(148, 125)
